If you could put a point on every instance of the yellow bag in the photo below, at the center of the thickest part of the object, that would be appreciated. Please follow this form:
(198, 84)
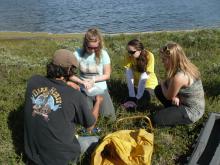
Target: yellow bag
(125, 147)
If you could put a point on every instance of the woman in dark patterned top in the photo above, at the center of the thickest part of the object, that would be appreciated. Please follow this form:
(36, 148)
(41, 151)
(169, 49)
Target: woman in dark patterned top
(182, 92)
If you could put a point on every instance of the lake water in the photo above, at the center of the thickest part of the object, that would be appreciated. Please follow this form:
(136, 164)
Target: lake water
(111, 16)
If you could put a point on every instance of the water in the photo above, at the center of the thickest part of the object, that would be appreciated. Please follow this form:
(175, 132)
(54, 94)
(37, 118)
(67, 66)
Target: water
(111, 16)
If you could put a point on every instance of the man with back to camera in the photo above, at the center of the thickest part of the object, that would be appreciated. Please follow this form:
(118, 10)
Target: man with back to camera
(52, 108)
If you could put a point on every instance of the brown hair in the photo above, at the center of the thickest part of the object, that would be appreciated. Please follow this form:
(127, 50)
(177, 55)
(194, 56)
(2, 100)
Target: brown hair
(142, 60)
(93, 35)
(178, 61)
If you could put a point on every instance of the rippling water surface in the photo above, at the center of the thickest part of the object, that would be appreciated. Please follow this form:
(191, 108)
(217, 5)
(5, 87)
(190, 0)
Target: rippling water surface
(111, 16)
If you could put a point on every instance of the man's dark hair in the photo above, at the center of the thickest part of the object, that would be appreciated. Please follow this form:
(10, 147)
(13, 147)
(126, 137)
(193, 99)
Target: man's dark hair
(56, 71)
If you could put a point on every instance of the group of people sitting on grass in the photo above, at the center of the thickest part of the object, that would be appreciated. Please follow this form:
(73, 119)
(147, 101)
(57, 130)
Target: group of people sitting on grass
(55, 103)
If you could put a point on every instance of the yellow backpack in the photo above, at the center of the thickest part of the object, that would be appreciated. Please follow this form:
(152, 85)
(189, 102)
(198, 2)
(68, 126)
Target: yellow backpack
(125, 147)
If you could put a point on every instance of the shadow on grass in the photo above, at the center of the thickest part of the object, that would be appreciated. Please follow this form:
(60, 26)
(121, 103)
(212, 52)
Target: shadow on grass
(117, 90)
(16, 125)
(212, 81)
(212, 89)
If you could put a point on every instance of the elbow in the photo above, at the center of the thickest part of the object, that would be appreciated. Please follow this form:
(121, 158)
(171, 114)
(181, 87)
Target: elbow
(107, 77)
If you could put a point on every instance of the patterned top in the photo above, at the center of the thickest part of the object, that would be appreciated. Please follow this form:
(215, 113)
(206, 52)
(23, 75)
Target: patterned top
(88, 67)
(192, 98)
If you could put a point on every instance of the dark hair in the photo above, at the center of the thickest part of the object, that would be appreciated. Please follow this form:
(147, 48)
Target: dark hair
(56, 71)
(142, 60)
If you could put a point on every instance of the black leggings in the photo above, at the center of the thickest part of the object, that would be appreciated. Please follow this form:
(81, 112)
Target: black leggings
(171, 114)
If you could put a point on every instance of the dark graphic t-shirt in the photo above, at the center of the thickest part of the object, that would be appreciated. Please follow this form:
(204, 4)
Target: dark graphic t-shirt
(51, 111)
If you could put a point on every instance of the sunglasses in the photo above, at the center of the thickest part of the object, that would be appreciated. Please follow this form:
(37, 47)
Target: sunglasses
(165, 50)
(93, 47)
(131, 52)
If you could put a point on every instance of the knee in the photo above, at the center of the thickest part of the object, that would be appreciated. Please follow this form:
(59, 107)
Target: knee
(156, 119)
(159, 119)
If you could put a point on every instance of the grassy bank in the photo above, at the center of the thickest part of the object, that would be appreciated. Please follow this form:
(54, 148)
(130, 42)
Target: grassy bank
(23, 55)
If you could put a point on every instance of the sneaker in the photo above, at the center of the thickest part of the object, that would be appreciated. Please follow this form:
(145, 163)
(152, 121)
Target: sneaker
(93, 131)
(129, 104)
(134, 99)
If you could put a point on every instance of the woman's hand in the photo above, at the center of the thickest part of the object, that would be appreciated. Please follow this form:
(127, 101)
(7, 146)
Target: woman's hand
(88, 83)
(176, 101)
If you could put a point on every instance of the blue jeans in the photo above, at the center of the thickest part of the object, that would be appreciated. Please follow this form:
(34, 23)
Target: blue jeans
(88, 143)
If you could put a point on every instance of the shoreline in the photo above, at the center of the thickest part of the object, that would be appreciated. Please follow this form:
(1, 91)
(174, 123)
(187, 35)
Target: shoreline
(48, 35)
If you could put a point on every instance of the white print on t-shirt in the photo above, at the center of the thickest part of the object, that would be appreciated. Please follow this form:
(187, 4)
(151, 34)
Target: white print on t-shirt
(88, 67)
(45, 100)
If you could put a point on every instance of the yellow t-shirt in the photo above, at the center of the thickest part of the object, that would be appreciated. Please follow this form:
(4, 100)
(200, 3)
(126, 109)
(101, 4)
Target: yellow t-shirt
(130, 62)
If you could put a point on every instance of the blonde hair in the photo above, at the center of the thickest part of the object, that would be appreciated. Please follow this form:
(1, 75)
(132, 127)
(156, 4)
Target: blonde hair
(93, 35)
(178, 61)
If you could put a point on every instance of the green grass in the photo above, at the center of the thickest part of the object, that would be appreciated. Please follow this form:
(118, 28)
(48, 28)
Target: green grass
(25, 54)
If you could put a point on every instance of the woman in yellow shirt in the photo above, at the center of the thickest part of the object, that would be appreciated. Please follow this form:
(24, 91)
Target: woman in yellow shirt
(140, 76)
